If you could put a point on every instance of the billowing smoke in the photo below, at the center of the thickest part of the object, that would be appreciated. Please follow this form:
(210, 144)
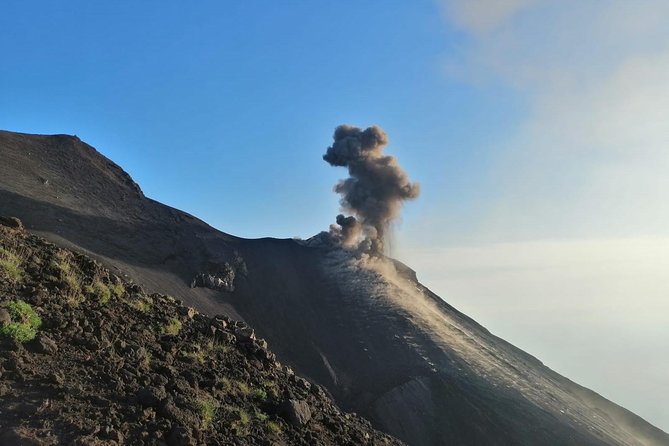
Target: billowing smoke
(375, 190)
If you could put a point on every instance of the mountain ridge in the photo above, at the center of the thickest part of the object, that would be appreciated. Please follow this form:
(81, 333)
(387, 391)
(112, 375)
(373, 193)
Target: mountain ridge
(449, 376)
(110, 364)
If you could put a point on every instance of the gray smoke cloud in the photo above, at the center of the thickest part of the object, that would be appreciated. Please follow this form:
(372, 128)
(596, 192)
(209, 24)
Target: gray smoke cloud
(375, 190)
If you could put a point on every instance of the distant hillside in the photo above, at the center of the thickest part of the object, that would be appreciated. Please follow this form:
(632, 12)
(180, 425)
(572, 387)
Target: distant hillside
(103, 362)
(364, 328)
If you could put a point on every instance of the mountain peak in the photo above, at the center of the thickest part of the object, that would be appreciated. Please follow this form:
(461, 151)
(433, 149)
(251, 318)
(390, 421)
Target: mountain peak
(364, 328)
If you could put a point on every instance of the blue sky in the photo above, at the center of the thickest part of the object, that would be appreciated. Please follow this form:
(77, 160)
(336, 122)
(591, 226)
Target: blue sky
(536, 128)
(224, 109)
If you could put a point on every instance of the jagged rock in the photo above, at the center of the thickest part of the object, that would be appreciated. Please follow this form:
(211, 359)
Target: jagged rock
(215, 281)
(245, 333)
(46, 344)
(297, 412)
(180, 436)
(151, 396)
(112, 377)
(302, 383)
(218, 323)
(189, 312)
(11, 222)
(226, 337)
(5, 317)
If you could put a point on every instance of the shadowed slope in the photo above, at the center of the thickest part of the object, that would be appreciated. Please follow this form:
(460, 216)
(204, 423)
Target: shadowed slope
(383, 344)
(110, 364)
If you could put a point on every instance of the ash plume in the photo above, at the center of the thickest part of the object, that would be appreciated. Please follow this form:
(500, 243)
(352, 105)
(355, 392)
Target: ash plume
(375, 190)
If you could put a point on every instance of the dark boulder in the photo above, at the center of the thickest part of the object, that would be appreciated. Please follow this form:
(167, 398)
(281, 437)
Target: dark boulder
(151, 396)
(46, 344)
(296, 412)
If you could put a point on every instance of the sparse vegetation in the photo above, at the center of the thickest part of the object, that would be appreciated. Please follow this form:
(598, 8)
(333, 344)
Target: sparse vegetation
(224, 383)
(117, 289)
(241, 425)
(272, 388)
(274, 427)
(242, 387)
(214, 347)
(68, 275)
(100, 290)
(197, 355)
(244, 417)
(145, 358)
(173, 327)
(259, 394)
(208, 408)
(24, 324)
(10, 265)
(140, 303)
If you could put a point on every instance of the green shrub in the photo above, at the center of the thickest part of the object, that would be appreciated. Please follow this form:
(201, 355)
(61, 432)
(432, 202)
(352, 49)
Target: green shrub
(208, 408)
(271, 388)
(140, 304)
(197, 355)
(117, 289)
(259, 394)
(69, 275)
(25, 322)
(173, 327)
(100, 290)
(273, 426)
(243, 388)
(244, 417)
(10, 265)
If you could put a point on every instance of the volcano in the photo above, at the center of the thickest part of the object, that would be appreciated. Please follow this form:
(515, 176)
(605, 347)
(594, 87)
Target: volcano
(364, 328)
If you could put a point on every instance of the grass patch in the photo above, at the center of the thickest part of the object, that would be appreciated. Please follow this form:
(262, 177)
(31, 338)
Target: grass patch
(259, 394)
(145, 359)
(273, 426)
(215, 347)
(272, 388)
(243, 388)
(173, 327)
(10, 265)
(244, 417)
(198, 356)
(140, 304)
(261, 416)
(100, 290)
(117, 289)
(25, 322)
(208, 408)
(241, 425)
(224, 383)
(68, 274)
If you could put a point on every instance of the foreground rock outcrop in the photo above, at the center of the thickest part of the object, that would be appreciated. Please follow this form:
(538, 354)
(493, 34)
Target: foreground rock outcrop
(111, 364)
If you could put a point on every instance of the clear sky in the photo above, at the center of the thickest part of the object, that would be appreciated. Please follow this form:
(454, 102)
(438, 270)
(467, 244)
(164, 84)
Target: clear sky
(537, 129)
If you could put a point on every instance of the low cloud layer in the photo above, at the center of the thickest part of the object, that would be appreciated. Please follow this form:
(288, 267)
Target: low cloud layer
(375, 190)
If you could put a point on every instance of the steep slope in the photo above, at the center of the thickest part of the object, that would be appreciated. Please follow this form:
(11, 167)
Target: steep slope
(110, 364)
(366, 329)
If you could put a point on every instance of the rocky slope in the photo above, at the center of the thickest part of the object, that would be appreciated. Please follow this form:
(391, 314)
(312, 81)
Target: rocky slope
(366, 329)
(111, 364)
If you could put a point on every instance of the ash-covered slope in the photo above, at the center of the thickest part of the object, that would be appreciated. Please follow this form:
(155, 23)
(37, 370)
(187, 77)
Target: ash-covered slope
(110, 364)
(383, 344)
